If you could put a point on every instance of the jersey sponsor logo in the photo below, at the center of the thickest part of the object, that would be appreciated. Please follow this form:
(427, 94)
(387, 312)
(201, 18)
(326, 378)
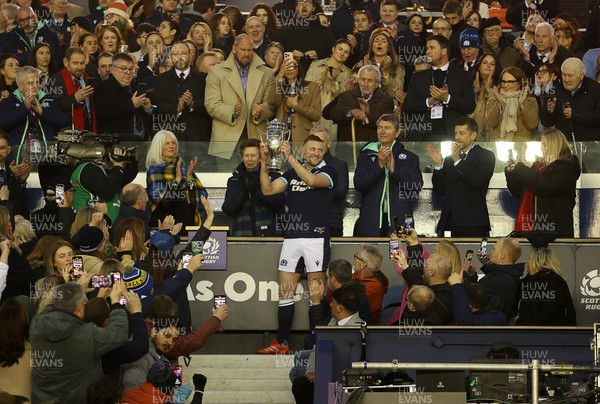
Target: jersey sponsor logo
(319, 230)
(299, 186)
(283, 263)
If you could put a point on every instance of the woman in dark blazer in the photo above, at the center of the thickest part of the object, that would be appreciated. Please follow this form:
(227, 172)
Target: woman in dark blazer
(547, 188)
(544, 298)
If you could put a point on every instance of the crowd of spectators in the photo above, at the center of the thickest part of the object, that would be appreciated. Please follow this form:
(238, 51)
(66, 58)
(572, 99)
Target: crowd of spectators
(92, 284)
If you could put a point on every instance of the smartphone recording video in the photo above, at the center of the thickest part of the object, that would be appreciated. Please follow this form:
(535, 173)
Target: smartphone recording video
(394, 248)
(101, 281)
(409, 224)
(178, 370)
(469, 255)
(60, 194)
(220, 300)
(77, 266)
(185, 260)
(483, 246)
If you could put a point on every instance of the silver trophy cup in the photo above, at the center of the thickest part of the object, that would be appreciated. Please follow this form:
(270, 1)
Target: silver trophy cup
(274, 137)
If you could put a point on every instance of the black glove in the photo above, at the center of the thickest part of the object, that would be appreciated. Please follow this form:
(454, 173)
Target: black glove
(249, 184)
(199, 381)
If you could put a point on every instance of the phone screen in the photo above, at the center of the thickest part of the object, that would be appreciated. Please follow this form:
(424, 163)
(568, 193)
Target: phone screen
(469, 255)
(77, 266)
(178, 370)
(483, 246)
(116, 277)
(60, 194)
(185, 260)
(394, 248)
(220, 300)
(409, 224)
(101, 281)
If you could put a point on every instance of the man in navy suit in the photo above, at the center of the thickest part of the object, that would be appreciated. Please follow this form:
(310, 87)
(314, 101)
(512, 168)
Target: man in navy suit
(437, 97)
(463, 179)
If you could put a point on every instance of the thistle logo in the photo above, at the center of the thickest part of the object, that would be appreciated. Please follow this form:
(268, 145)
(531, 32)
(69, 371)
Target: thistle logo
(590, 286)
(211, 246)
(210, 249)
(590, 290)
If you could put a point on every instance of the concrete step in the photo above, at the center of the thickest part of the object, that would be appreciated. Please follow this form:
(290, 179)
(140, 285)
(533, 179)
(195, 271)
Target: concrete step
(243, 361)
(241, 373)
(248, 397)
(258, 379)
(250, 383)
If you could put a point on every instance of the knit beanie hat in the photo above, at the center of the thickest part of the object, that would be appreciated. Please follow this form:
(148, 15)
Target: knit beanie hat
(161, 376)
(469, 38)
(88, 239)
(119, 8)
(138, 281)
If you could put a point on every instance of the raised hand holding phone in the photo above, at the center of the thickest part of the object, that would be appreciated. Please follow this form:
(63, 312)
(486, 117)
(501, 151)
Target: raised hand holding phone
(134, 304)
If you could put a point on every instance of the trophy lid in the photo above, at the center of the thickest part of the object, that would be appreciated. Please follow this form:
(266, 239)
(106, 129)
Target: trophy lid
(275, 126)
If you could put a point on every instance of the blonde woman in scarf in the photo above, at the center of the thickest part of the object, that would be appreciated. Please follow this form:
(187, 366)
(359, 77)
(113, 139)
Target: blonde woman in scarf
(511, 114)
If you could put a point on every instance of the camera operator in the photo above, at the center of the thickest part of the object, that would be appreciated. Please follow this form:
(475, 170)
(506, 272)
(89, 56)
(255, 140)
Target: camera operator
(93, 181)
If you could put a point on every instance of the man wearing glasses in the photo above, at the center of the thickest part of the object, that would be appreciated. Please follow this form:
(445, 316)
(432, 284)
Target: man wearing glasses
(27, 34)
(497, 44)
(120, 108)
(367, 267)
(442, 27)
(31, 118)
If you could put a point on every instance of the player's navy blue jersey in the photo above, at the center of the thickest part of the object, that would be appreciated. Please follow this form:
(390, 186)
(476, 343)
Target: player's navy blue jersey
(308, 209)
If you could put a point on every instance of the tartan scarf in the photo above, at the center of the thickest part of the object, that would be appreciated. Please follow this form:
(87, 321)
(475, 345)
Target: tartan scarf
(161, 176)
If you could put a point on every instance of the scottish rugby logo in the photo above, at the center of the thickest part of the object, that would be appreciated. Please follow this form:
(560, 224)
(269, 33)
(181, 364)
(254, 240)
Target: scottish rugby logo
(211, 246)
(590, 286)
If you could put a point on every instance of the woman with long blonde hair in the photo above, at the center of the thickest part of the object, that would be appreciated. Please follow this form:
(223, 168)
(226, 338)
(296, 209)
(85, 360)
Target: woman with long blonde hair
(547, 188)
(545, 299)
(448, 249)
